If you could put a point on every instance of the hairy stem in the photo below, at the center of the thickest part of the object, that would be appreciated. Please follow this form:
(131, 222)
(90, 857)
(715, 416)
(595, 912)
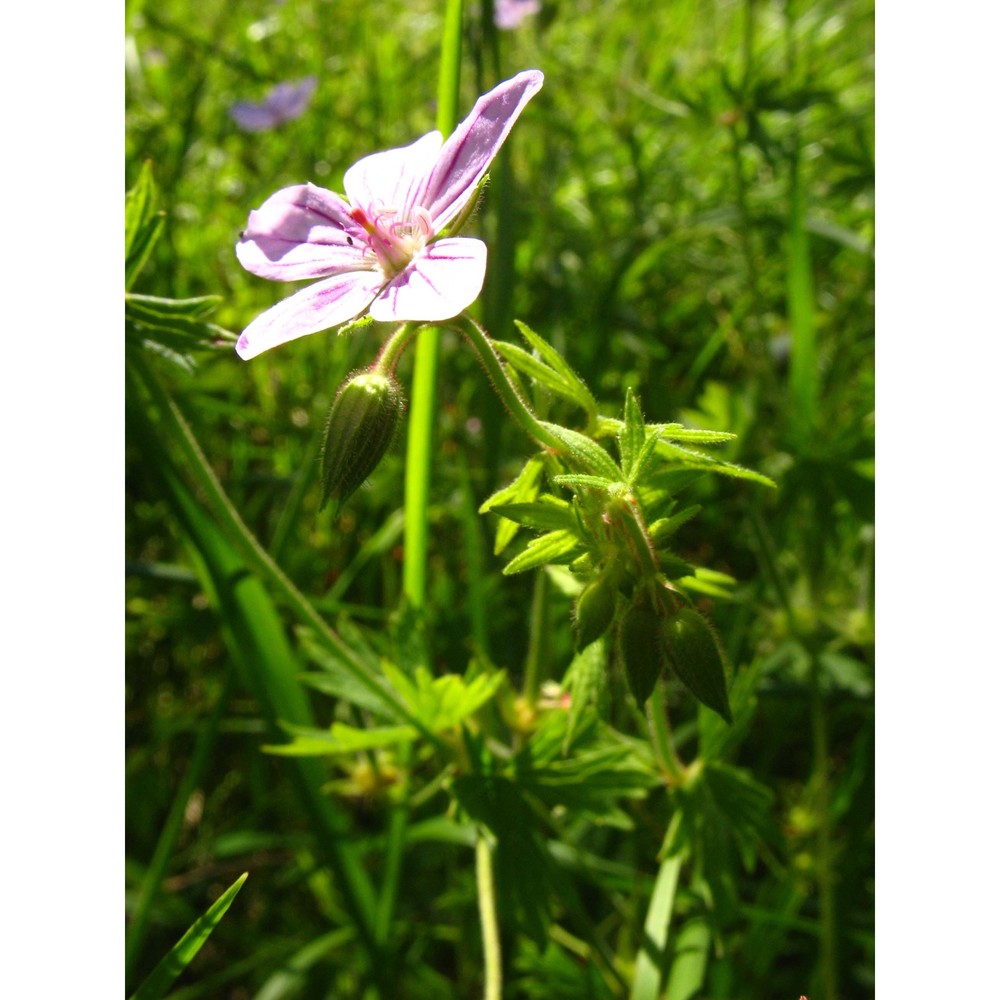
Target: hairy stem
(497, 372)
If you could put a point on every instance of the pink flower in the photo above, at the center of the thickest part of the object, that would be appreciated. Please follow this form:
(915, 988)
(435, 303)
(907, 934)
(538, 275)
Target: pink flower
(382, 249)
(508, 14)
(284, 103)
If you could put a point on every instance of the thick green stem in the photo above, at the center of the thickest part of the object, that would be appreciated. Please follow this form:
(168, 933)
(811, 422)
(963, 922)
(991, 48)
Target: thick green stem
(493, 971)
(423, 394)
(419, 457)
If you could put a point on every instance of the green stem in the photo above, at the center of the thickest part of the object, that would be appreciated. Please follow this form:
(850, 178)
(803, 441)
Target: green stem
(497, 372)
(423, 393)
(419, 456)
(493, 972)
(659, 733)
(393, 348)
(450, 68)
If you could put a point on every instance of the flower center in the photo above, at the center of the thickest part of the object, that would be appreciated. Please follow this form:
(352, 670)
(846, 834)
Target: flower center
(394, 242)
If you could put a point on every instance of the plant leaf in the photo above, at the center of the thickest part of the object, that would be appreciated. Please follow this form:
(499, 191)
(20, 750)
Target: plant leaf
(547, 513)
(584, 451)
(177, 959)
(576, 387)
(556, 546)
(143, 223)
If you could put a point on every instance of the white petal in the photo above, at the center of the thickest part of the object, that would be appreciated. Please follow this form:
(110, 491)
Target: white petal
(438, 284)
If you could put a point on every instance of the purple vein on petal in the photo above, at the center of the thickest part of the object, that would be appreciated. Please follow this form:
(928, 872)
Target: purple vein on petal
(469, 151)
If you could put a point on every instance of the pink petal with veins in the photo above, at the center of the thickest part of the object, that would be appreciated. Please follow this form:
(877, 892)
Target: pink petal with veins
(318, 307)
(437, 285)
(470, 149)
(301, 232)
(391, 179)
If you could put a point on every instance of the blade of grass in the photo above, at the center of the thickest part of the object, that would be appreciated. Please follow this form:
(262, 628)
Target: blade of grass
(648, 966)
(647, 984)
(178, 958)
(153, 879)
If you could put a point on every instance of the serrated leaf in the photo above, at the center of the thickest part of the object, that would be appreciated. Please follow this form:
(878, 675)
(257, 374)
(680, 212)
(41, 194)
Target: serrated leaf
(555, 546)
(746, 804)
(143, 223)
(709, 582)
(574, 384)
(337, 679)
(584, 451)
(632, 436)
(547, 513)
(154, 307)
(522, 864)
(444, 702)
(642, 460)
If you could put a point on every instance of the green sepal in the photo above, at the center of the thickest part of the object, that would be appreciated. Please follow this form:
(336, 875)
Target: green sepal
(595, 610)
(640, 649)
(693, 653)
(362, 423)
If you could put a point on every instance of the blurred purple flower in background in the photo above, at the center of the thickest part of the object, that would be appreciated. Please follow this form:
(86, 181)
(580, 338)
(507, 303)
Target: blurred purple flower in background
(283, 103)
(381, 249)
(508, 14)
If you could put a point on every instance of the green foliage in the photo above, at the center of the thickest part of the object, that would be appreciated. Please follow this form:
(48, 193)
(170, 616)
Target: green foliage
(686, 220)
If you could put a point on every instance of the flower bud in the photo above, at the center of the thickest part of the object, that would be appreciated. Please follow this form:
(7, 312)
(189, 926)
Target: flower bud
(640, 649)
(693, 652)
(595, 610)
(361, 425)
